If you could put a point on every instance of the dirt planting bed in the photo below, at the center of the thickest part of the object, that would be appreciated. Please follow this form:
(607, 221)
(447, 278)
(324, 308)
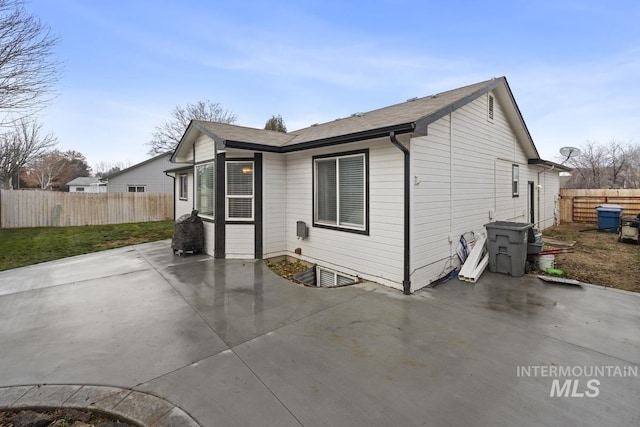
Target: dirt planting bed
(599, 258)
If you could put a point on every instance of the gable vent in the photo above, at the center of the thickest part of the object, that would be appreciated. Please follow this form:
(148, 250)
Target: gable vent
(490, 104)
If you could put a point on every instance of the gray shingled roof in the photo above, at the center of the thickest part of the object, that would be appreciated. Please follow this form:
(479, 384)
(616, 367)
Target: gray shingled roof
(227, 132)
(406, 112)
(412, 116)
(84, 180)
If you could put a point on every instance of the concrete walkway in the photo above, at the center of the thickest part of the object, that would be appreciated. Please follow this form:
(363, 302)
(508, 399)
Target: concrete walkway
(230, 343)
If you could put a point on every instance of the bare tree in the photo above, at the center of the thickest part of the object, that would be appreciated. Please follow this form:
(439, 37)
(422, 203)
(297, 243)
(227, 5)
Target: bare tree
(632, 173)
(104, 169)
(167, 135)
(44, 170)
(276, 123)
(608, 165)
(19, 146)
(76, 166)
(27, 70)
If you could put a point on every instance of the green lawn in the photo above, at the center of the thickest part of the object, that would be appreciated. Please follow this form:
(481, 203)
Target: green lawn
(26, 246)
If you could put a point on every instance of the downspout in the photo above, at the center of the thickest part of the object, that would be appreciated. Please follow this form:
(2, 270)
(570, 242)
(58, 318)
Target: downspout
(193, 202)
(406, 282)
(174, 194)
(539, 186)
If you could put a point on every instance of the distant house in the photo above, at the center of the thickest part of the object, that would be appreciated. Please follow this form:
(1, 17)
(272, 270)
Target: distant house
(144, 177)
(87, 184)
(382, 195)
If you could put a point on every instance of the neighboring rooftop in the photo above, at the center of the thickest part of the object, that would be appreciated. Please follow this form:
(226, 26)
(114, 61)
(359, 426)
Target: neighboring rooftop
(86, 180)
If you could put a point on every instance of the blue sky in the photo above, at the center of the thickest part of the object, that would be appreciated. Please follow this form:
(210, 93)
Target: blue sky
(573, 65)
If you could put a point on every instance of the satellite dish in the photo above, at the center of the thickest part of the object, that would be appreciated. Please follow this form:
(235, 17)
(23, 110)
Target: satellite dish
(569, 152)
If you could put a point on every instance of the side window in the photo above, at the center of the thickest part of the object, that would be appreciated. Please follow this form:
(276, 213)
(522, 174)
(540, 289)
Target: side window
(205, 189)
(183, 186)
(340, 191)
(515, 180)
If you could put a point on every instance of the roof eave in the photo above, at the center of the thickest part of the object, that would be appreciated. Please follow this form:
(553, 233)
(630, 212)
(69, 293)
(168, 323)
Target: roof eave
(553, 165)
(325, 142)
(423, 122)
(184, 166)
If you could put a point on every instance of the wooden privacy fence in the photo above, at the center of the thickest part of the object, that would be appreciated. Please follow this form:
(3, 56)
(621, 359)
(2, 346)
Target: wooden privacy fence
(23, 208)
(580, 205)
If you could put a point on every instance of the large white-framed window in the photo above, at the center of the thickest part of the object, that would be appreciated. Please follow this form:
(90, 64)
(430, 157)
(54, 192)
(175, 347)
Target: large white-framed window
(340, 191)
(515, 180)
(239, 190)
(183, 186)
(205, 189)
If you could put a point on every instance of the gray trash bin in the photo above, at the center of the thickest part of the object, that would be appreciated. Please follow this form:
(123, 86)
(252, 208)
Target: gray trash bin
(507, 243)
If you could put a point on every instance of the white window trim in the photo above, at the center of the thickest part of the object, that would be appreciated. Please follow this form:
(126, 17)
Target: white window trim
(228, 196)
(129, 186)
(183, 177)
(196, 189)
(337, 224)
(515, 180)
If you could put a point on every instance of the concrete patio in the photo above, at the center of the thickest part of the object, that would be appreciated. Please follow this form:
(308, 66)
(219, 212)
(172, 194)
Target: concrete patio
(230, 343)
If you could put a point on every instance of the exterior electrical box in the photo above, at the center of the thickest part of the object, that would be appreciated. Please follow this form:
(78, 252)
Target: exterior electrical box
(301, 230)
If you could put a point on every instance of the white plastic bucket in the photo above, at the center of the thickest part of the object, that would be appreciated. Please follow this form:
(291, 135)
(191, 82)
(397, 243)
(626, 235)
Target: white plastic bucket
(545, 261)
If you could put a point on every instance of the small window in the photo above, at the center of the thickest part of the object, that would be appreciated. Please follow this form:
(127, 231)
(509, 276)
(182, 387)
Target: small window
(239, 190)
(135, 188)
(80, 189)
(340, 191)
(205, 189)
(183, 186)
(490, 103)
(515, 180)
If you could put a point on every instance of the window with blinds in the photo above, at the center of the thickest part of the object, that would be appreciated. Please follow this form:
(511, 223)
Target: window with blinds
(340, 191)
(205, 189)
(239, 193)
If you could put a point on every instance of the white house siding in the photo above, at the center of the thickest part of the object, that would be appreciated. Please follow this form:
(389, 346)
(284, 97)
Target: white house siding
(204, 148)
(274, 204)
(378, 256)
(548, 199)
(184, 206)
(88, 189)
(209, 237)
(239, 241)
(186, 157)
(149, 175)
(431, 204)
(463, 173)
